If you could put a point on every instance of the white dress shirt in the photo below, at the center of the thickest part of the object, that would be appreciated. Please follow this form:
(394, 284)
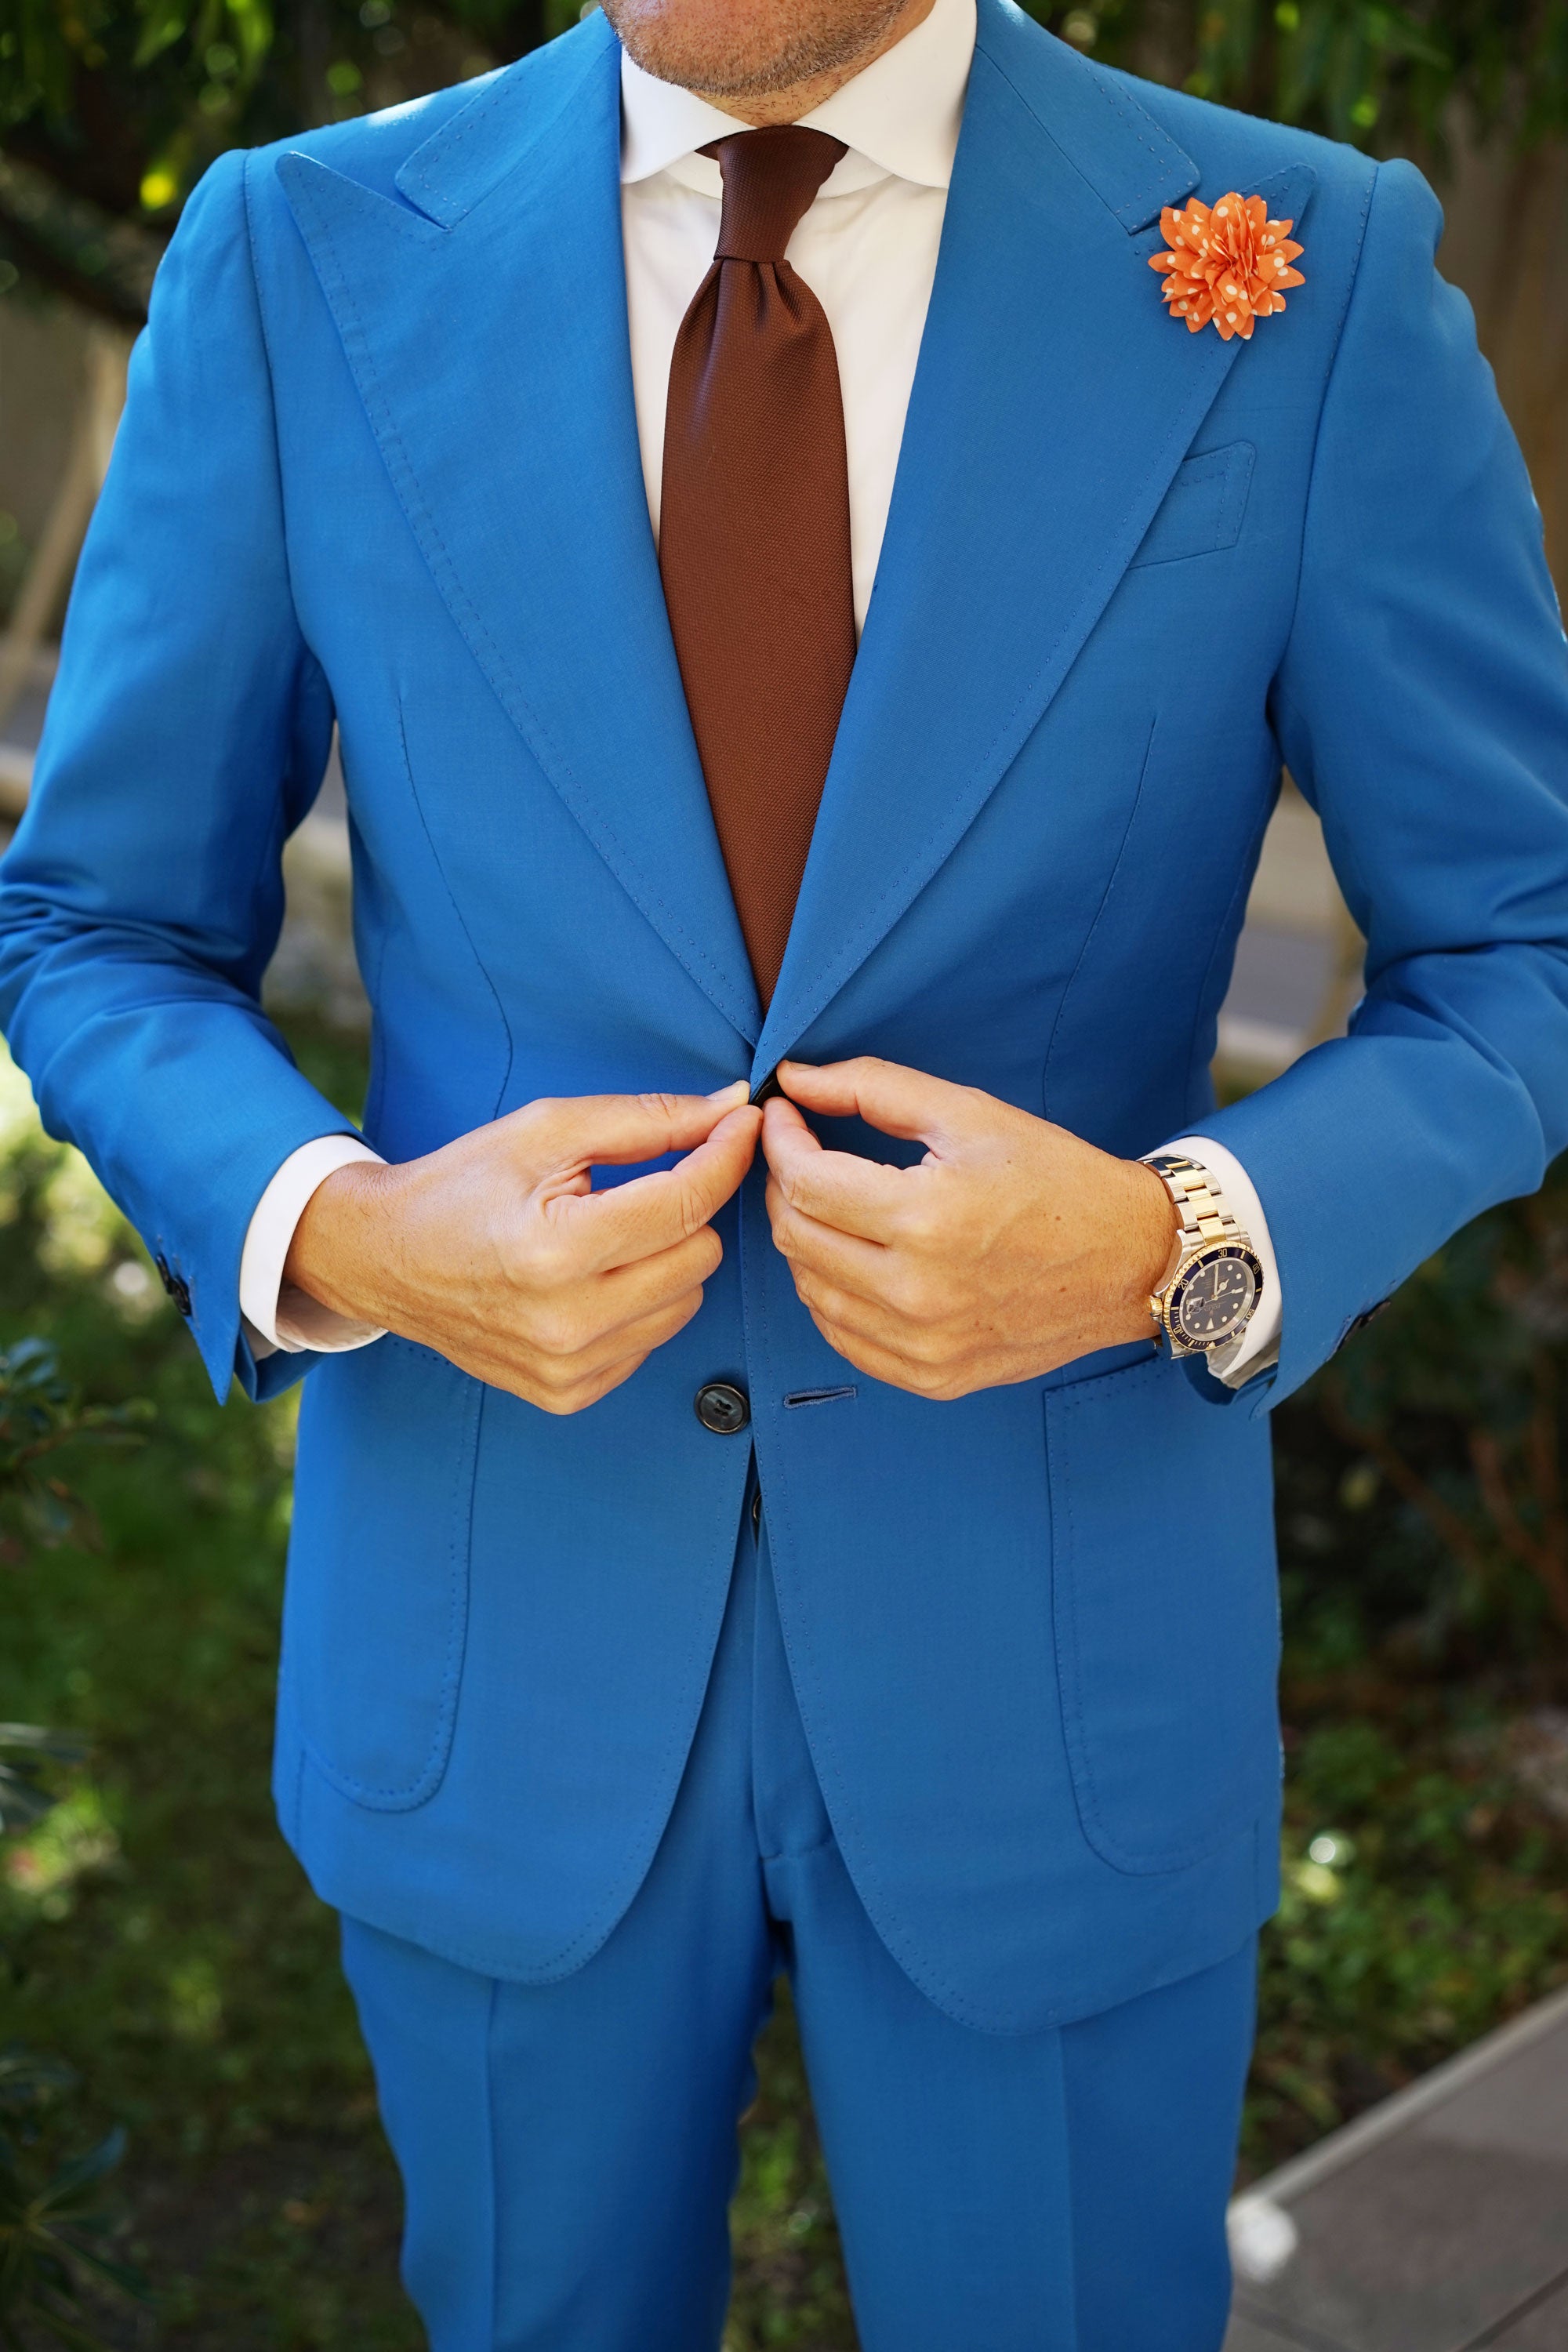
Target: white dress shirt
(867, 246)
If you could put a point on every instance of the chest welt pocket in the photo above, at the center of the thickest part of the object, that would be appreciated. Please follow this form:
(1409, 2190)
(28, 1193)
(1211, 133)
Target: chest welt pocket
(1167, 1622)
(376, 1612)
(1201, 513)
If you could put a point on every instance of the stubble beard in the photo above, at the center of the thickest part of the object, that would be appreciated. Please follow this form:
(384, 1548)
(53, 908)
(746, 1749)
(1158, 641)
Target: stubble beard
(703, 49)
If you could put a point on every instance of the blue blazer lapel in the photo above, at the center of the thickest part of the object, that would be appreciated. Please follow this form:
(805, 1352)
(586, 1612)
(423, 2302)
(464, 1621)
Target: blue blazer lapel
(484, 319)
(1054, 400)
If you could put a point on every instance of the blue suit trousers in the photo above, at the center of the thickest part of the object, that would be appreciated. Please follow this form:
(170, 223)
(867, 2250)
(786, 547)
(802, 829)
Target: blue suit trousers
(569, 2149)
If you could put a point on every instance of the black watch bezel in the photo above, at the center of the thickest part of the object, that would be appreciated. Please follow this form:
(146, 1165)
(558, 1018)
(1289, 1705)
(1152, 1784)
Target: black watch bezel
(1175, 1339)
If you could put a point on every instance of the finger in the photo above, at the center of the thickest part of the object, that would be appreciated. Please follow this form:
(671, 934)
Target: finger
(616, 1130)
(615, 1376)
(633, 1220)
(862, 1268)
(547, 1376)
(866, 1352)
(637, 1338)
(494, 1357)
(564, 1319)
(564, 1402)
(921, 1348)
(899, 1101)
(880, 1362)
(842, 1312)
(626, 1294)
(857, 1196)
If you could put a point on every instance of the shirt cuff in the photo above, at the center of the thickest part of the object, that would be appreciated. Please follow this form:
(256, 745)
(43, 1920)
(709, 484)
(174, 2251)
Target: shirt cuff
(278, 1314)
(1259, 1346)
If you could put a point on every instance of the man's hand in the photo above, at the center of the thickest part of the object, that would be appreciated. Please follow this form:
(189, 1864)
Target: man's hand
(497, 1252)
(1012, 1248)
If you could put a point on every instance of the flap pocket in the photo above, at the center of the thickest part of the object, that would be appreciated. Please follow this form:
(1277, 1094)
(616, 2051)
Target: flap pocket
(1201, 511)
(1167, 1619)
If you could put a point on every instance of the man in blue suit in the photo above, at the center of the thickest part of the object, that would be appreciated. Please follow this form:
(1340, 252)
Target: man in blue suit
(806, 624)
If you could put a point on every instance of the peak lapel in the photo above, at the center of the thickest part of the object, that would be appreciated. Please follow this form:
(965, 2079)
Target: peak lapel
(1054, 400)
(486, 333)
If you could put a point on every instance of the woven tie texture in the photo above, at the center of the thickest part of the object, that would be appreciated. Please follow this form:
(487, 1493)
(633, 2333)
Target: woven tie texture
(754, 530)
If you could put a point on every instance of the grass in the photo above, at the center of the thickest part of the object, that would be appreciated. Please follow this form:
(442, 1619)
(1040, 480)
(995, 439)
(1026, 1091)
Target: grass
(158, 1933)
(155, 1932)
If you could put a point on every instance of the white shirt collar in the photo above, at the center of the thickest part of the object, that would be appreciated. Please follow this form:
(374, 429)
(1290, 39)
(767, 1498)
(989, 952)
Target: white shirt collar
(901, 116)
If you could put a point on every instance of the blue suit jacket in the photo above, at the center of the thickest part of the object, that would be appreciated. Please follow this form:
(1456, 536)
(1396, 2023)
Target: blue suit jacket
(380, 462)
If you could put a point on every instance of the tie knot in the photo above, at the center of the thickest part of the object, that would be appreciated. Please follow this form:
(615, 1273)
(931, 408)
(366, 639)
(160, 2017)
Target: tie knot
(770, 178)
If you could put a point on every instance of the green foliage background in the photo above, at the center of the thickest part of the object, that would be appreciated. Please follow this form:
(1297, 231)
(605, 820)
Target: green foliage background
(111, 109)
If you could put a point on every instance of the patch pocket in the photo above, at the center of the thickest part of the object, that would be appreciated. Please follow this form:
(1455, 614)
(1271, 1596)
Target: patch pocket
(1202, 511)
(1166, 1610)
(375, 1610)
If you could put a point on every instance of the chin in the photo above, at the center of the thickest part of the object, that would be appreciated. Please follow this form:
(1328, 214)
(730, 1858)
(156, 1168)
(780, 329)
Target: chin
(749, 48)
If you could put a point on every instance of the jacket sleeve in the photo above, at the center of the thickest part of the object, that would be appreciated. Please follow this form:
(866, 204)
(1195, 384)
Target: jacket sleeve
(188, 734)
(1422, 706)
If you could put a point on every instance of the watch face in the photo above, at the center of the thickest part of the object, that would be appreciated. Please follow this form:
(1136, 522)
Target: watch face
(1215, 1300)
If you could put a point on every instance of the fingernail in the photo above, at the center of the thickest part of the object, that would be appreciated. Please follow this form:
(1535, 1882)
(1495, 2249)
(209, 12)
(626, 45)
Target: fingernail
(736, 1086)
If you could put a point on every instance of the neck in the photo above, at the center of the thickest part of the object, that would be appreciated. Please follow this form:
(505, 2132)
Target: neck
(800, 98)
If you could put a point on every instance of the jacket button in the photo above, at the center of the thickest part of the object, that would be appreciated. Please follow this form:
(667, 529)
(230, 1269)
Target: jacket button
(722, 1408)
(175, 1285)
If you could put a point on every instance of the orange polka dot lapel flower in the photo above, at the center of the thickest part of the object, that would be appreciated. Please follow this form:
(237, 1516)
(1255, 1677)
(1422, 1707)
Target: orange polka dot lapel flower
(1231, 265)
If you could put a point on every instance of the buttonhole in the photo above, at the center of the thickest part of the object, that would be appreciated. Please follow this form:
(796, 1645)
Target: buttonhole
(818, 1396)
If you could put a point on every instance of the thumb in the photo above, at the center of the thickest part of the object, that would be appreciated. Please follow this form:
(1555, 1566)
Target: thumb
(708, 1175)
(652, 1212)
(580, 1131)
(785, 1135)
(887, 1097)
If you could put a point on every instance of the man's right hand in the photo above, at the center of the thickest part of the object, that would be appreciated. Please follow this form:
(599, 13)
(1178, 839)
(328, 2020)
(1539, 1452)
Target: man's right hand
(497, 1252)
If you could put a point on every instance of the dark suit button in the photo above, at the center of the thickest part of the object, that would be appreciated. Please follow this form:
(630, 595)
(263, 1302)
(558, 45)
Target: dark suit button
(178, 1288)
(722, 1408)
(1359, 1322)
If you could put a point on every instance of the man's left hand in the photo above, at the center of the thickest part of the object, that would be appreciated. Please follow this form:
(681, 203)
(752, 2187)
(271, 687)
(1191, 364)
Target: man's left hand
(1012, 1247)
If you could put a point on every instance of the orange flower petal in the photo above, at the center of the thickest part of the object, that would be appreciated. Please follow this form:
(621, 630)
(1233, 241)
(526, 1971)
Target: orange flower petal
(1228, 265)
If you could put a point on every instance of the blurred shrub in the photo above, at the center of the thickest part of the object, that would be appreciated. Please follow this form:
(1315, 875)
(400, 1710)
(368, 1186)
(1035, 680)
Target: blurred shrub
(54, 2229)
(1425, 1691)
(1451, 1413)
(56, 2234)
(40, 1414)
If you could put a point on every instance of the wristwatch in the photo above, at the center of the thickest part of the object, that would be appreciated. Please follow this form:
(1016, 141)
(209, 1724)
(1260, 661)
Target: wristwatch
(1211, 1293)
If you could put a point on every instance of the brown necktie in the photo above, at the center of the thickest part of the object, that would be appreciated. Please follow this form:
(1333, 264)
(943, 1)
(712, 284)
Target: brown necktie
(755, 531)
